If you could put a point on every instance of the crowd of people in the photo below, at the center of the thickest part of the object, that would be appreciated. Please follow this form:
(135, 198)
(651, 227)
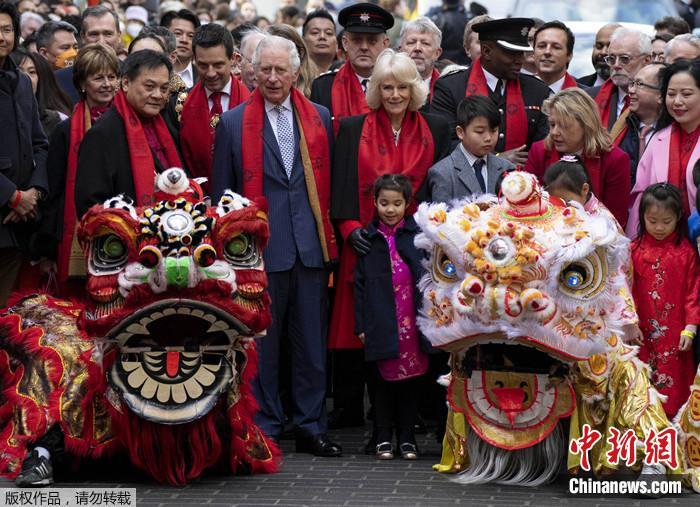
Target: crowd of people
(345, 121)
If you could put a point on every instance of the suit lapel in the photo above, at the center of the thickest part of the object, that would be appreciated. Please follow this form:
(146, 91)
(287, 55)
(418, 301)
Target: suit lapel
(492, 173)
(465, 172)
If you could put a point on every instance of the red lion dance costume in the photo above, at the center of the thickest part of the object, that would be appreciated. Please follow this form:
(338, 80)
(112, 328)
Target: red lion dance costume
(157, 362)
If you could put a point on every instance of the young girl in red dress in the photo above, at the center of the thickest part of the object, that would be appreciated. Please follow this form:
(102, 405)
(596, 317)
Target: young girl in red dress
(666, 288)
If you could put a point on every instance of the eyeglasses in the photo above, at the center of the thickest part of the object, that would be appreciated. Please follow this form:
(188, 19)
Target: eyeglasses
(640, 85)
(624, 59)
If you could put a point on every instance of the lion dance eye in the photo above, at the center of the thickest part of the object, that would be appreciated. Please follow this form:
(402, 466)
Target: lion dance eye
(241, 251)
(237, 246)
(448, 268)
(108, 254)
(573, 277)
(585, 278)
(443, 268)
(113, 247)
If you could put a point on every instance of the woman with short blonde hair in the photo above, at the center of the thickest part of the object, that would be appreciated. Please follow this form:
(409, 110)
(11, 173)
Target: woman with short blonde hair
(96, 77)
(575, 128)
(393, 138)
(403, 69)
(93, 60)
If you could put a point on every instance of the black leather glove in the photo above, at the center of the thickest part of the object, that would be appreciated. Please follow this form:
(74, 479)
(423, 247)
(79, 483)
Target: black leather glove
(359, 239)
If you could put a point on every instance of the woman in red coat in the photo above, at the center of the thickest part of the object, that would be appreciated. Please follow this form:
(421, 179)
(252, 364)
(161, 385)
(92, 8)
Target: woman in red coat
(575, 129)
(393, 138)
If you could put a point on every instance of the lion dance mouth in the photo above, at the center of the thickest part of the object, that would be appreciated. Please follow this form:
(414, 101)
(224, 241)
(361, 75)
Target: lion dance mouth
(158, 361)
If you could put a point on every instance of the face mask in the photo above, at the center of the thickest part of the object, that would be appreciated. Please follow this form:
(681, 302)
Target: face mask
(134, 29)
(66, 58)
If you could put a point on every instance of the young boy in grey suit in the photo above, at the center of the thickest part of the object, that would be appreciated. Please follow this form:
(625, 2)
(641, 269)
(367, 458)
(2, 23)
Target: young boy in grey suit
(471, 168)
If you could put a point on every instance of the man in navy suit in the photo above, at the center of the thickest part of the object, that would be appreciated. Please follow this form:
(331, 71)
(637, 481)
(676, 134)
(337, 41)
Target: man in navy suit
(277, 145)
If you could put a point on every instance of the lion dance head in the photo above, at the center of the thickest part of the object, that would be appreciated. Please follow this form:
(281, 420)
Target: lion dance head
(518, 289)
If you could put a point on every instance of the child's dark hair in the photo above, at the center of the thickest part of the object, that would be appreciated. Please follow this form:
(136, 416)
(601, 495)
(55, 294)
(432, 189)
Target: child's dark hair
(396, 182)
(476, 106)
(664, 195)
(567, 174)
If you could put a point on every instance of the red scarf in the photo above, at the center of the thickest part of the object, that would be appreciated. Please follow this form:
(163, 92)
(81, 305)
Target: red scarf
(317, 166)
(142, 167)
(569, 82)
(79, 124)
(347, 97)
(679, 152)
(592, 165)
(516, 119)
(196, 131)
(377, 155)
(433, 79)
(604, 102)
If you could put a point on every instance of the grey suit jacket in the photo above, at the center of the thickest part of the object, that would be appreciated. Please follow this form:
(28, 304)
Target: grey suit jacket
(453, 177)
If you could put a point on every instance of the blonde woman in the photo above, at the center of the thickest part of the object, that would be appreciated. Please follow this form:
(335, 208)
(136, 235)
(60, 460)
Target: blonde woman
(575, 129)
(393, 138)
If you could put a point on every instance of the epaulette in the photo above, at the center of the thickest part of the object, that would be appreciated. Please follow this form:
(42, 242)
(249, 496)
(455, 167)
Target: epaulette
(328, 72)
(452, 69)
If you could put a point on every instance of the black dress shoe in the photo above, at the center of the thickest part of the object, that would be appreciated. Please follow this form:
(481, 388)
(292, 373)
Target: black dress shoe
(319, 445)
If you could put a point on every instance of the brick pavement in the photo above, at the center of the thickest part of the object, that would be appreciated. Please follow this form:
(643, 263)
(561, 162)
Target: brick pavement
(353, 480)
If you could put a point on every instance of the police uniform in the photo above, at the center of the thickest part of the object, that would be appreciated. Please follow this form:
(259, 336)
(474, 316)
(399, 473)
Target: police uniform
(450, 90)
(359, 18)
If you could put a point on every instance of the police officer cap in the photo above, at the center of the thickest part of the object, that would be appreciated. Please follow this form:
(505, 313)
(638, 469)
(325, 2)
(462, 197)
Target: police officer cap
(509, 33)
(365, 17)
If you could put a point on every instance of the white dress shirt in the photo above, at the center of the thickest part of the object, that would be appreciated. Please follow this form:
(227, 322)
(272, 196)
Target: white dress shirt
(360, 79)
(187, 75)
(225, 96)
(472, 159)
(620, 101)
(492, 81)
(555, 87)
(286, 111)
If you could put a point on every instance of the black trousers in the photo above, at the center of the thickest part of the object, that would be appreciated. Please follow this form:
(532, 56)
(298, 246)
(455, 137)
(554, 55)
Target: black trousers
(396, 406)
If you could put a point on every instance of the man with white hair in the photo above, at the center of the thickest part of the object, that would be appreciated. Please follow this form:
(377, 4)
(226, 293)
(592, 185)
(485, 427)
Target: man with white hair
(277, 145)
(682, 47)
(29, 22)
(421, 39)
(628, 52)
(249, 42)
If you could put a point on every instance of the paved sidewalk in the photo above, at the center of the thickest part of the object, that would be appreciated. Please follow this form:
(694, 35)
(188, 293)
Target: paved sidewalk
(353, 480)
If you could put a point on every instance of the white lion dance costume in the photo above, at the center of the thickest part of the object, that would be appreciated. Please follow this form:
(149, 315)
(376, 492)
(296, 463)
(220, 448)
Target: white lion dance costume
(530, 297)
